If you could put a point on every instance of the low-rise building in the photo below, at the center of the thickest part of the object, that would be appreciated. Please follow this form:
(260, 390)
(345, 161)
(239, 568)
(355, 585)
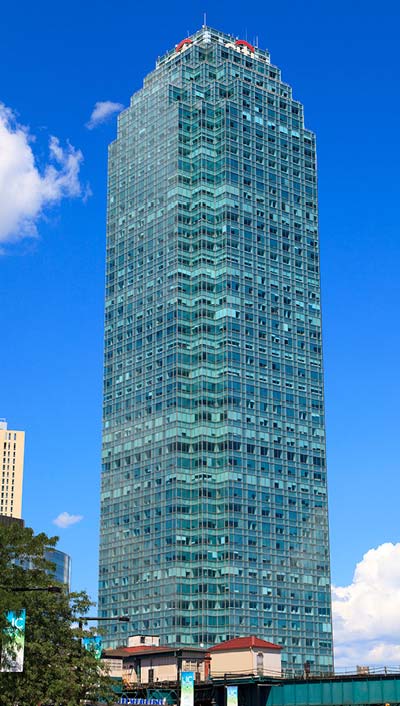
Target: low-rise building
(245, 655)
(144, 663)
(149, 675)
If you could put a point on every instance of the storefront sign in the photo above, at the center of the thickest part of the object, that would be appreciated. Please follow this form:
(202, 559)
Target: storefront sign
(142, 702)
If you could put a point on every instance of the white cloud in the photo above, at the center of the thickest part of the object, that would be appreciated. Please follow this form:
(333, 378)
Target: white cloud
(101, 112)
(366, 614)
(64, 519)
(24, 190)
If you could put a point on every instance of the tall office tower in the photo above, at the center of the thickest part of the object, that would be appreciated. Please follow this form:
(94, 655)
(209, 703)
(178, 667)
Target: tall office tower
(214, 518)
(12, 444)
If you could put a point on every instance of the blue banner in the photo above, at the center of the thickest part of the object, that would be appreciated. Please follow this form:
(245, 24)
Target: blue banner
(12, 654)
(187, 688)
(93, 644)
(231, 696)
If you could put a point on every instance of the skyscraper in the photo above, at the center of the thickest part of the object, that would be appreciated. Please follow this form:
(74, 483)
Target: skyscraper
(214, 520)
(12, 445)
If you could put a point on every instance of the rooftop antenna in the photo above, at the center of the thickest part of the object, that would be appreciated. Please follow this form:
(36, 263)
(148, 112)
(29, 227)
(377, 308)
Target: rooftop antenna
(205, 19)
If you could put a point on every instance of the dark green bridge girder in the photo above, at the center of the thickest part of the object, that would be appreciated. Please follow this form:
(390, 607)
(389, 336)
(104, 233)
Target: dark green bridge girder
(336, 692)
(348, 690)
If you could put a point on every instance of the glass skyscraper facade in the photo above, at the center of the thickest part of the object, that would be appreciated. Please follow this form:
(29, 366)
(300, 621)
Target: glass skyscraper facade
(62, 565)
(214, 520)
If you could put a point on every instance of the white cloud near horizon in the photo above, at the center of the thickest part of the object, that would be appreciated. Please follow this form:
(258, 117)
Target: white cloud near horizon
(25, 191)
(64, 519)
(101, 112)
(366, 613)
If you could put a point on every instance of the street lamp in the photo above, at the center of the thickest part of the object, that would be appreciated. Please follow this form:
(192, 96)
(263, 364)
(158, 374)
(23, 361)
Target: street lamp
(21, 589)
(82, 619)
(119, 619)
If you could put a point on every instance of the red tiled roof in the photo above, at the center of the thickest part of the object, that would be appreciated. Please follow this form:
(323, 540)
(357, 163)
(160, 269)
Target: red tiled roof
(242, 643)
(136, 650)
(144, 649)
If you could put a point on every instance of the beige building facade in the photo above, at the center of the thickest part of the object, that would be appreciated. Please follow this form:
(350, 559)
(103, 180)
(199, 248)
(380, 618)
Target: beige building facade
(244, 656)
(146, 663)
(12, 447)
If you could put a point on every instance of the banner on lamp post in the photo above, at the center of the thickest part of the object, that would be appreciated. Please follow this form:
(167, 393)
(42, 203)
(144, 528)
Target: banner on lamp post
(187, 688)
(94, 645)
(231, 696)
(12, 654)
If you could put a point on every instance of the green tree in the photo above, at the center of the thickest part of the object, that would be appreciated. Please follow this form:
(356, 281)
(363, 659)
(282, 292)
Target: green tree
(58, 671)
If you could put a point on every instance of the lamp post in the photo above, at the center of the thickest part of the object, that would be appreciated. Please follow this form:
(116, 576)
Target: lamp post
(82, 619)
(119, 619)
(15, 626)
(22, 589)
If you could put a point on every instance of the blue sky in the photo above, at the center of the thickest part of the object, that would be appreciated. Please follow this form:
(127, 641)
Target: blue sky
(57, 62)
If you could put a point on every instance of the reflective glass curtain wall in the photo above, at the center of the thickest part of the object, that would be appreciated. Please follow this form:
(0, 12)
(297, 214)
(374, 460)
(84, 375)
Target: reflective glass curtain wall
(214, 519)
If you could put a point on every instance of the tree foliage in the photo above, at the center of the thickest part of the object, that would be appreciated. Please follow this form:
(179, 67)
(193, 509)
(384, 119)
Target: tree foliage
(58, 671)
